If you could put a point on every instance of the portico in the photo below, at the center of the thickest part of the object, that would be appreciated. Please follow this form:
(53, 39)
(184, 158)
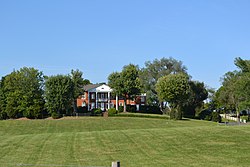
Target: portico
(99, 97)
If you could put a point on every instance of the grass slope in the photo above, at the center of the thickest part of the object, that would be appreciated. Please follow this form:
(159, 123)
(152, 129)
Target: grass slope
(136, 142)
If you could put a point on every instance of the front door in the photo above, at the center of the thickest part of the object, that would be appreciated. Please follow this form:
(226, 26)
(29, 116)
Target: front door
(102, 106)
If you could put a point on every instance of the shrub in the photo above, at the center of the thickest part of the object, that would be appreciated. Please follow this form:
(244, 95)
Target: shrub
(245, 118)
(244, 112)
(55, 115)
(96, 111)
(166, 110)
(216, 117)
(120, 109)
(3, 115)
(150, 109)
(112, 111)
(131, 108)
(208, 117)
(82, 109)
(205, 115)
(176, 114)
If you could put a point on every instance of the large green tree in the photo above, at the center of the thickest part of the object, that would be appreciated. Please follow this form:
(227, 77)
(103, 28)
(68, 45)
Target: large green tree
(154, 70)
(198, 93)
(174, 89)
(126, 83)
(3, 114)
(22, 93)
(59, 91)
(234, 94)
(78, 83)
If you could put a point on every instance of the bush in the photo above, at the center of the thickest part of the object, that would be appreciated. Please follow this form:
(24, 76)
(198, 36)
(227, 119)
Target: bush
(176, 114)
(96, 111)
(3, 115)
(150, 109)
(82, 109)
(112, 111)
(166, 110)
(120, 109)
(55, 115)
(208, 117)
(243, 113)
(216, 117)
(247, 118)
(131, 108)
(204, 115)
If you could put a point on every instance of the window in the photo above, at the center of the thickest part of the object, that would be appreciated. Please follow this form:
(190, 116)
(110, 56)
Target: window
(121, 104)
(83, 104)
(92, 96)
(83, 96)
(142, 99)
(92, 105)
(102, 96)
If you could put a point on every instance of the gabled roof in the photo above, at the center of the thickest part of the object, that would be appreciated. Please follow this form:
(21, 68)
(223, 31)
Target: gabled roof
(97, 88)
(91, 86)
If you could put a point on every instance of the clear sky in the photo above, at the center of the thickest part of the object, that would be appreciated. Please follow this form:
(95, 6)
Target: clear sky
(99, 37)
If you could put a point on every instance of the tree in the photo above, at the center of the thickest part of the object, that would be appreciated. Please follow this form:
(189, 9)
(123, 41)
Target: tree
(3, 114)
(78, 83)
(23, 93)
(198, 93)
(152, 71)
(174, 89)
(126, 83)
(234, 94)
(59, 94)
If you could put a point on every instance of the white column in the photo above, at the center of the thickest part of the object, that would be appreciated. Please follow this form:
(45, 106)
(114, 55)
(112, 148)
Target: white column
(108, 100)
(96, 100)
(116, 102)
(88, 100)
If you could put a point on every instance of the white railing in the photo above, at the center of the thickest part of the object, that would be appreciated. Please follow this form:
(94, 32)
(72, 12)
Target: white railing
(229, 117)
(102, 99)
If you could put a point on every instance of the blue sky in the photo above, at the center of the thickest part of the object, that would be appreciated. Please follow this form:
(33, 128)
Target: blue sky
(99, 37)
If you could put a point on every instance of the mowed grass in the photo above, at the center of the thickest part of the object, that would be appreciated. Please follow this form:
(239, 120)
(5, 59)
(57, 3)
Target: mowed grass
(136, 142)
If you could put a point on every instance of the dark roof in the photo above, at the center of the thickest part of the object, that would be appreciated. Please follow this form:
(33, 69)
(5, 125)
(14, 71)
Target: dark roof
(91, 86)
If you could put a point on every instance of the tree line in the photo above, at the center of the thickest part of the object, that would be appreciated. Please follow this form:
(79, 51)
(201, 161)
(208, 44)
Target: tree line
(28, 92)
(166, 84)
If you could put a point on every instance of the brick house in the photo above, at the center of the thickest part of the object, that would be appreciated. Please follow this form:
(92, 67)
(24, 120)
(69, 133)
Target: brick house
(100, 96)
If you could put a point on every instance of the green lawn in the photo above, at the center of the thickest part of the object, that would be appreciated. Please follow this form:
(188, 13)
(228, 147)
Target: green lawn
(136, 142)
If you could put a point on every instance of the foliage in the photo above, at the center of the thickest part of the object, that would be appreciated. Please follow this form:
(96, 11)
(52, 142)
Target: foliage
(58, 93)
(154, 70)
(126, 83)
(198, 93)
(175, 114)
(82, 109)
(21, 93)
(55, 115)
(120, 109)
(216, 117)
(112, 111)
(204, 114)
(86, 82)
(148, 109)
(174, 89)
(96, 111)
(131, 108)
(234, 94)
(78, 83)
